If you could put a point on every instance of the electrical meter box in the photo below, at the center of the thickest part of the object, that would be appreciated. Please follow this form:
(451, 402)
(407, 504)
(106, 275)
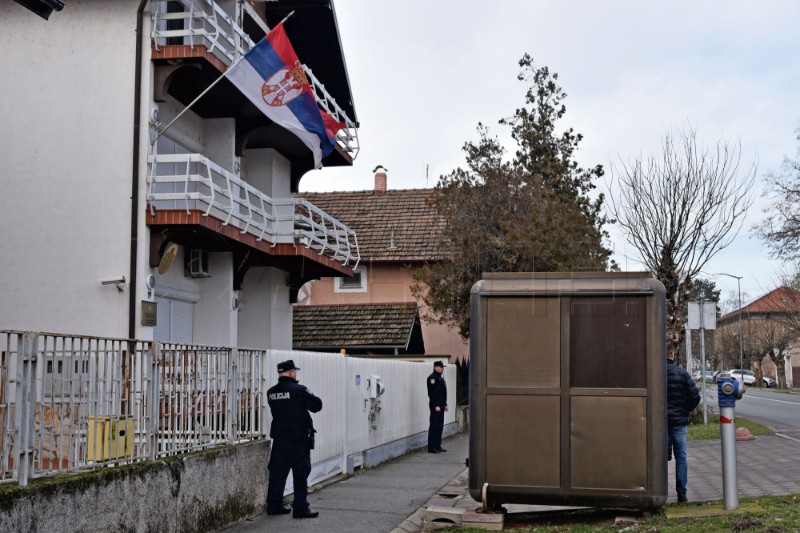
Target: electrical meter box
(110, 438)
(568, 390)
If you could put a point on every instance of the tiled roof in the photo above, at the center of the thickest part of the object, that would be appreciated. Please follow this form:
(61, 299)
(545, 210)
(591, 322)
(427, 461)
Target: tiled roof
(361, 325)
(780, 300)
(395, 225)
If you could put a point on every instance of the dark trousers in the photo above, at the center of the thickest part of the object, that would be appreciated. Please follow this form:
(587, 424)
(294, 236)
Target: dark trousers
(289, 455)
(435, 429)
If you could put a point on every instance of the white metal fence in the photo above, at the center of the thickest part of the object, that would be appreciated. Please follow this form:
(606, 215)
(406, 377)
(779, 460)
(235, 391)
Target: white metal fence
(192, 181)
(70, 402)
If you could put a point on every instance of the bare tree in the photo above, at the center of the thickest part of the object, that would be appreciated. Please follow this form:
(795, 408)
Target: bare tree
(772, 338)
(781, 227)
(679, 209)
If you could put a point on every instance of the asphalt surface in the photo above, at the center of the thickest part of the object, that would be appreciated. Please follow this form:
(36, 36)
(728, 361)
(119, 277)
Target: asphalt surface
(393, 497)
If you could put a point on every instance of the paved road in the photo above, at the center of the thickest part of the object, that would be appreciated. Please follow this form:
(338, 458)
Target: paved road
(780, 410)
(775, 409)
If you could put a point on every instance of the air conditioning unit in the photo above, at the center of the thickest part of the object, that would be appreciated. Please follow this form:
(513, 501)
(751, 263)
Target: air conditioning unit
(196, 264)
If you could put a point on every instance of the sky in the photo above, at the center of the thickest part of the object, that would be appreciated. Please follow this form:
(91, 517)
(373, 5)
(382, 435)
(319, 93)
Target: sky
(424, 73)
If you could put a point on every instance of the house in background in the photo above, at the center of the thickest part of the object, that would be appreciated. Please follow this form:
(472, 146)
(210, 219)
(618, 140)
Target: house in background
(379, 329)
(767, 325)
(398, 231)
(191, 236)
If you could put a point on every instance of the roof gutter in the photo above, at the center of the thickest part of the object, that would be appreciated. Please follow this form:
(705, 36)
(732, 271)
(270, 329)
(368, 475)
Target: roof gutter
(137, 107)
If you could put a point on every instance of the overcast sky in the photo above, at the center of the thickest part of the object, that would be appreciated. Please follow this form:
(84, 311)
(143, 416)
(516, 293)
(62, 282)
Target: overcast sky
(425, 73)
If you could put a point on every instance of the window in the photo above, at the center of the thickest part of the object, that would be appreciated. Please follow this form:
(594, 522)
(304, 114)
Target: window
(174, 322)
(358, 283)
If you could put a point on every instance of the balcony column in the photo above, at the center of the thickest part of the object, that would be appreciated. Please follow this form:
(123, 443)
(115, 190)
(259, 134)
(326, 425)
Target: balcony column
(216, 320)
(270, 172)
(265, 314)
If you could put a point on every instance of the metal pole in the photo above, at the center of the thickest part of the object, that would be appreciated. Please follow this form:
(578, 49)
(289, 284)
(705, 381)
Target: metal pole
(703, 364)
(741, 338)
(741, 341)
(727, 426)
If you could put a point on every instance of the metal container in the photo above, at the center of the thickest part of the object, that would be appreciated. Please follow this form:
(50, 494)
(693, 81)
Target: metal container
(568, 390)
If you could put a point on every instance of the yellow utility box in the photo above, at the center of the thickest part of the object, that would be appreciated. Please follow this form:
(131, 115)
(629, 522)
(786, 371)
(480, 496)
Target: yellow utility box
(110, 438)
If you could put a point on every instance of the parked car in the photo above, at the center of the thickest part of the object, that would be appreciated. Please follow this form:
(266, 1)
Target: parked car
(769, 382)
(746, 376)
(709, 376)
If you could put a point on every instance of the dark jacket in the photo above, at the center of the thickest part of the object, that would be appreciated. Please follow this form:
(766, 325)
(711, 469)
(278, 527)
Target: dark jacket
(437, 390)
(682, 395)
(290, 404)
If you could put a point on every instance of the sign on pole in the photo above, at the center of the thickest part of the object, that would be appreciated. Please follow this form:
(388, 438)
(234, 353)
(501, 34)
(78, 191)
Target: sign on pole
(702, 315)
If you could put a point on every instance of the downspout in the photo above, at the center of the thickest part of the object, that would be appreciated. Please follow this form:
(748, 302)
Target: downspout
(137, 106)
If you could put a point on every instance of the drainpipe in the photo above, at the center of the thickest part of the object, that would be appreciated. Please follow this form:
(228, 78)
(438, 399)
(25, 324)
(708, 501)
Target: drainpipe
(137, 105)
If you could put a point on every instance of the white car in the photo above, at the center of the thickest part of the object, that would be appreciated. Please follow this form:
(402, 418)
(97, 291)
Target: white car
(746, 376)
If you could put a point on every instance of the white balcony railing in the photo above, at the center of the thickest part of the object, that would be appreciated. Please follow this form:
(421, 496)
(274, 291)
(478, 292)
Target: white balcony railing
(205, 23)
(193, 182)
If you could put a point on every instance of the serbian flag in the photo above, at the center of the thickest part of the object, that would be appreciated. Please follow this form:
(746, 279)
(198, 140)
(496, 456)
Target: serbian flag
(271, 76)
(331, 126)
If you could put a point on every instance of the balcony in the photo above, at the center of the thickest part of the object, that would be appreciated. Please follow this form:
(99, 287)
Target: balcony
(193, 201)
(202, 35)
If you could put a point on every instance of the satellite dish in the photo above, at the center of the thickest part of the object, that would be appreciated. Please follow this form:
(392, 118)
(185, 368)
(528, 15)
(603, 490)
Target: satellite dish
(168, 258)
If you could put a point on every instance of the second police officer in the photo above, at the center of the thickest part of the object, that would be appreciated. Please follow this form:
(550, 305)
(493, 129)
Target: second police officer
(437, 402)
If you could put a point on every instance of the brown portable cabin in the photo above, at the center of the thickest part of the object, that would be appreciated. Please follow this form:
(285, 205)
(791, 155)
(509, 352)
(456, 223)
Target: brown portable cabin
(568, 390)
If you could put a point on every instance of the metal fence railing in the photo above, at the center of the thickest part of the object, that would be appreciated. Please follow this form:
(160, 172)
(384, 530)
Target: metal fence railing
(71, 402)
(194, 182)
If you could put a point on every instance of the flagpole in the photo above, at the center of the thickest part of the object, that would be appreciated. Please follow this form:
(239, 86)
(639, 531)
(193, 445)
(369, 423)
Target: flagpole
(286, 17)
(185, 109)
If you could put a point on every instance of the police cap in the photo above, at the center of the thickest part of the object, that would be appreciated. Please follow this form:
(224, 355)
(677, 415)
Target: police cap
(286, 366)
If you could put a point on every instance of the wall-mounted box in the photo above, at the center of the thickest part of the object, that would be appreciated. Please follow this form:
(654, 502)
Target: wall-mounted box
(110, 438)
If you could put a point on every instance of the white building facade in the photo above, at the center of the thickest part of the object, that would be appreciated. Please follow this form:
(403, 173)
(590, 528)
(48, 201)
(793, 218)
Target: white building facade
(118, 226)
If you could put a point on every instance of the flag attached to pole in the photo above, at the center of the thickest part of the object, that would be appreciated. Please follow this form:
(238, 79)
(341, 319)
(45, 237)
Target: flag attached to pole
(272, 78)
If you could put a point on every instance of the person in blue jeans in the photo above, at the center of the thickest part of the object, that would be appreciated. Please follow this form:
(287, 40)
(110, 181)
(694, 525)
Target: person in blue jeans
(682, 398)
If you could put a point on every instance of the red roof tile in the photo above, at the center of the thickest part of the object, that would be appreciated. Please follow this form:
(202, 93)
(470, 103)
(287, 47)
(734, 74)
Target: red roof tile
(395, 225)
(780, 300)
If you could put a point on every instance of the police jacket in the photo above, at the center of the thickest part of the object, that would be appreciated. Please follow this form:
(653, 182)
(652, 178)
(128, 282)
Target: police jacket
(290, 404)
(682, 395)
(437, 390)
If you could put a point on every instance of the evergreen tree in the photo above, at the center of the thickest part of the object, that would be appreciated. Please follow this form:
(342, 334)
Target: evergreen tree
(531, 213)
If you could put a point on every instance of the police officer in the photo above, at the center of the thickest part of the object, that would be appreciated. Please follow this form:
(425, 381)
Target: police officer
(437, 402)
(292, 435)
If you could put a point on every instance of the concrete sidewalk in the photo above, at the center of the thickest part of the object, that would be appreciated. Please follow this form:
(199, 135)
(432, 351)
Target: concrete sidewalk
(376, 499)
(394, 497)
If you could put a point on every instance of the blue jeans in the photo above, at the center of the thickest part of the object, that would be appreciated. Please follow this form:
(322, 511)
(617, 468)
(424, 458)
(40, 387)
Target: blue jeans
(677, 442)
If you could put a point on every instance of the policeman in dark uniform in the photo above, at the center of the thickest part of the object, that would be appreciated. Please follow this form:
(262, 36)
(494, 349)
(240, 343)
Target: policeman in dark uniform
(292, 435)
(437, 402)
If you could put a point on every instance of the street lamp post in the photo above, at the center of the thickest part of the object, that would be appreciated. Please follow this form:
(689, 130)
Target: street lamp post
(741, 341)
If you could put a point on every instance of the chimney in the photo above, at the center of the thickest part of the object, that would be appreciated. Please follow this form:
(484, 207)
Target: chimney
(380, 180)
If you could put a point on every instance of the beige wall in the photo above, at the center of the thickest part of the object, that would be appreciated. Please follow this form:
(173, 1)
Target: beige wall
(388, 283)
